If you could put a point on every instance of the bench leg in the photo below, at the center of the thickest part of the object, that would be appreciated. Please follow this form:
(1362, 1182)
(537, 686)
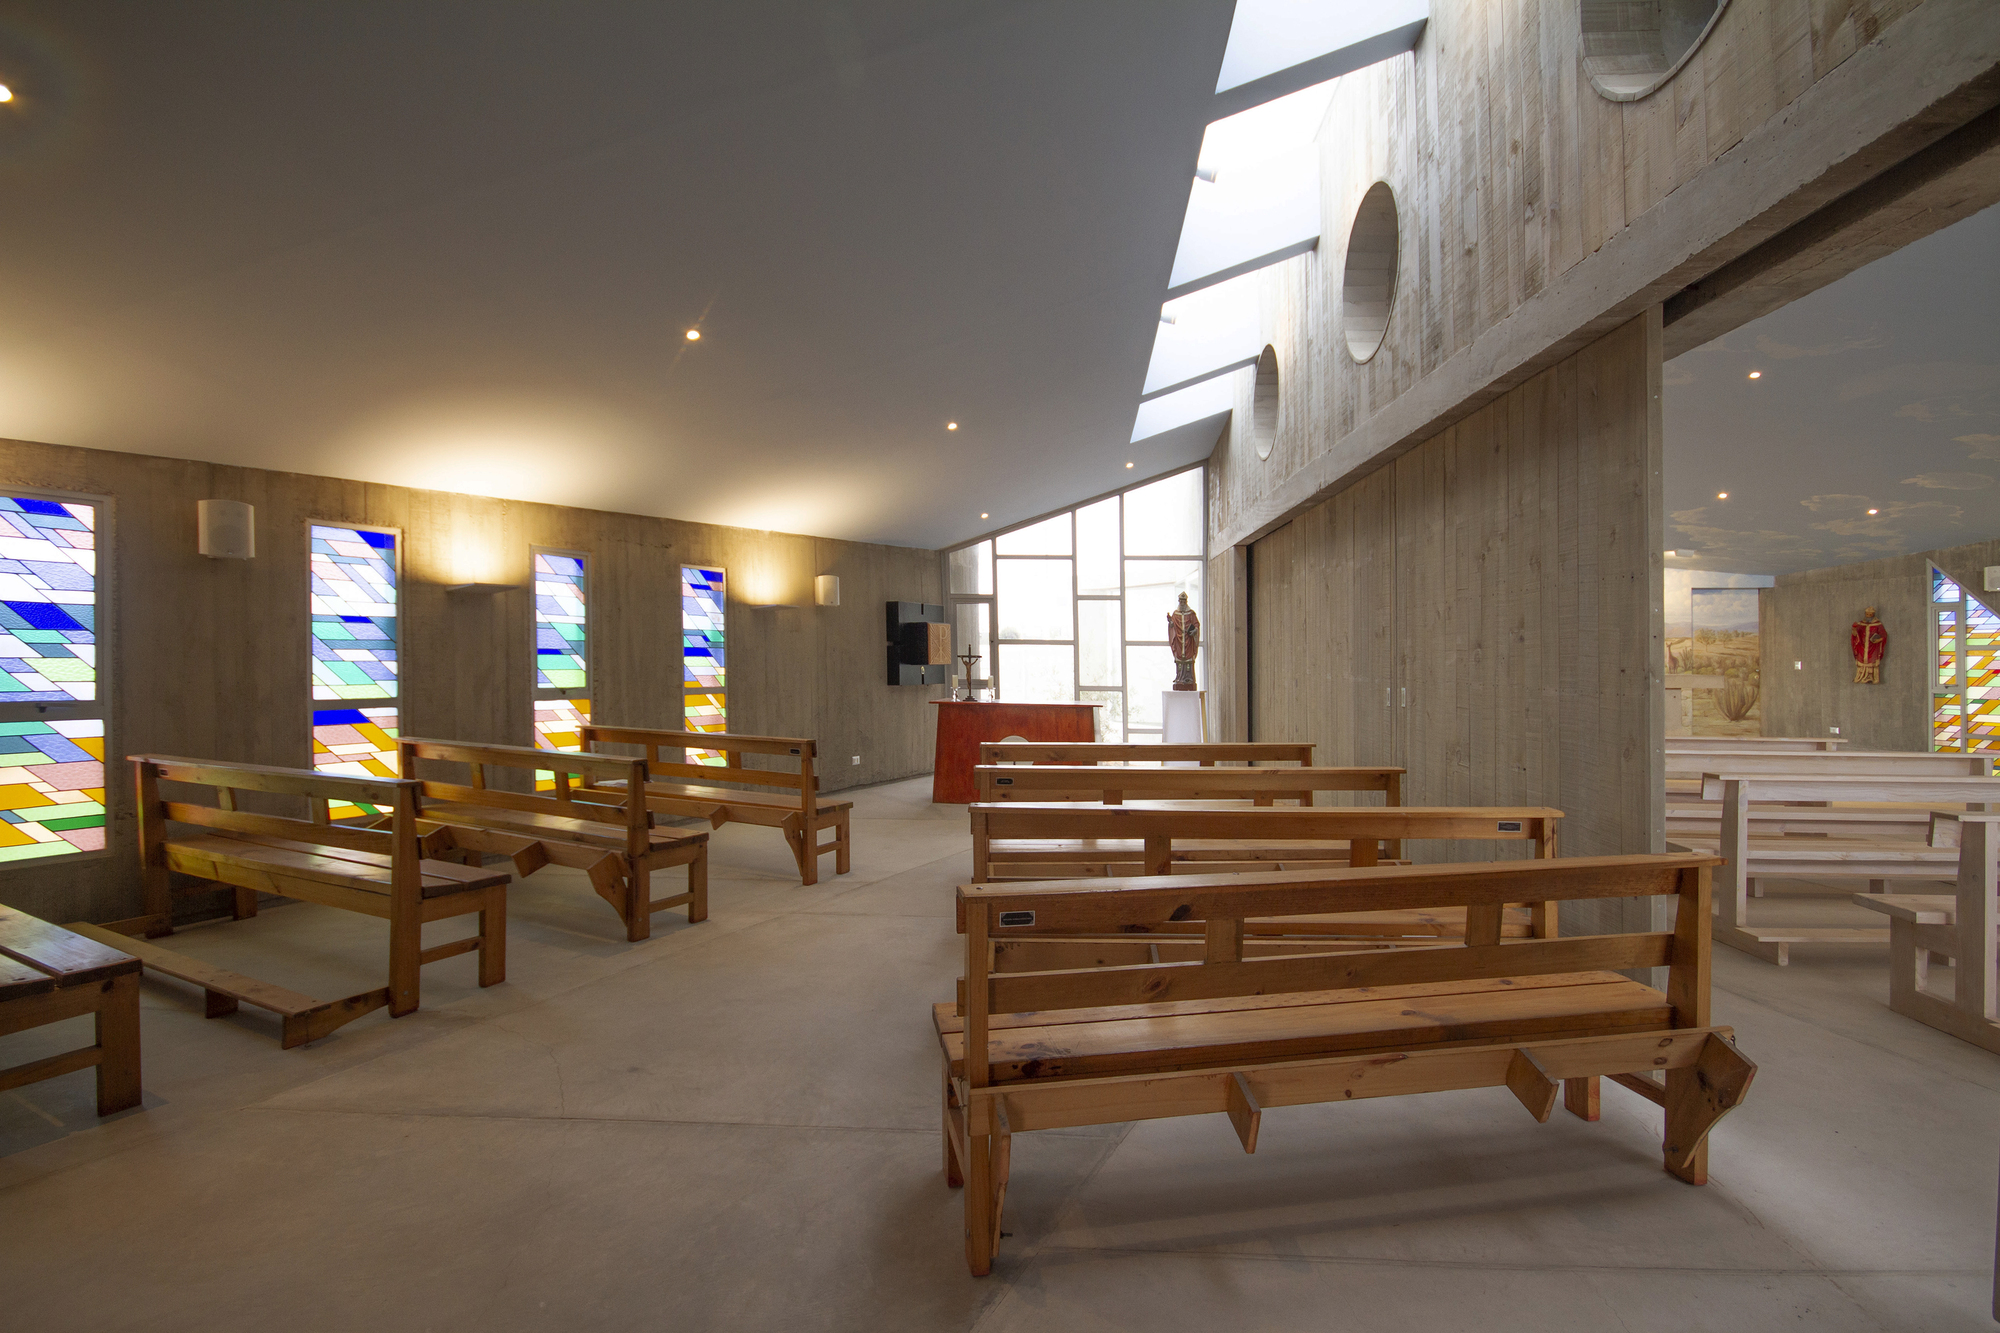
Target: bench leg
(698, 885)
(118, 1043)
(842, 858)
(804, 838)
(638, 905)
(954, 1172)
(493, 936)
(1582, 1097)
(406, 957)
(1698, 1095)
(243, 902)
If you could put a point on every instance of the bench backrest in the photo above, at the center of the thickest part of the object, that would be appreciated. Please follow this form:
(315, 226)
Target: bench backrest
(399, 841)
(1113, 786)
(1107, 752)
(1770, 744)
(1838, 786)
(587, 798)
(733, 747)
(1862, 763)
(997, 912)
(1947, 826)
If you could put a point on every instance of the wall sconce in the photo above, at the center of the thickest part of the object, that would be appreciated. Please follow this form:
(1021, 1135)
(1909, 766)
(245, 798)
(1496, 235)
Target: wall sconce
(826, 590)
(478, 589)
(226, 529)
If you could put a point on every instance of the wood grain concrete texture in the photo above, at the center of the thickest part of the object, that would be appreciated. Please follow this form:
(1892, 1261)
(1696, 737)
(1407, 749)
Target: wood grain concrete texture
(209, 657)
(1537, 216)
(733, 1126)
(1807, 617)
(1486, 611)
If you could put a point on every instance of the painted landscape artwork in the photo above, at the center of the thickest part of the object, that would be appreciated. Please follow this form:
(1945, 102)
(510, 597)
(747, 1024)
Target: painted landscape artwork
(1722, 642)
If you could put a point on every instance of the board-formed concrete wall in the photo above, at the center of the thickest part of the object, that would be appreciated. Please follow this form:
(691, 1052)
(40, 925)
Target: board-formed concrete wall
(1485, 612)
(209, 657)
(1805, 619)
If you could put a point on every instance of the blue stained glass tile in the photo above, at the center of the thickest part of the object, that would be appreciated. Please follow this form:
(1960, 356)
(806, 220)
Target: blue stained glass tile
(85, 616)
(376, 671)
(358, 620)
(14, 745)
(41, 615)
(12, 567)
(48, 507)
(381, 541)
(64, 523)
(12, 817)
(321, 587)
(55, 650)
(77, 635)
(60, 749)
(61, 574)
(329, 717)
(14, 664)
(324, 651)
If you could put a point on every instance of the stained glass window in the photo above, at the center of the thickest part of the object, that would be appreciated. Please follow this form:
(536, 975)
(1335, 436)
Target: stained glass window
(562, 653)
(51, 721)
(704, 656)
(1965, 694)
(354, 655)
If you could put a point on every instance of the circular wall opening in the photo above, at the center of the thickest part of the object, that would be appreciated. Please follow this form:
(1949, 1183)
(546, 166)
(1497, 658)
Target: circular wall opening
(1631, 47)
(1264, 404)
(1368, 288)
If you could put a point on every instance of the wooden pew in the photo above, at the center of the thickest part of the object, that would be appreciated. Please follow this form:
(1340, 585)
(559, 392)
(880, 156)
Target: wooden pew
(1898, 823)
(1746, 858)
(1115, 786)
(1958, 927)
(1044, 841)
(1770, 744)
(378, 872)
(586, 825)
(1205, 754)
(49, 973)
(1685, 769)
(791, 802)
(1233, 1036)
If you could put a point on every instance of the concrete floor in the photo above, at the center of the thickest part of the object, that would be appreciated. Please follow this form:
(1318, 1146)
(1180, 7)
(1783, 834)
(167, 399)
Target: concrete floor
(734, 1126)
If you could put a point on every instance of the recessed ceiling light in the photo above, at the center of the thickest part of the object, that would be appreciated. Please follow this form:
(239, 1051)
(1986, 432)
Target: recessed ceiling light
(986, 516)
(1874, 511)
(951, 425)
(1128, 465)
(1722, 495)
(6, 93)
(694, 335)
(1756, 374)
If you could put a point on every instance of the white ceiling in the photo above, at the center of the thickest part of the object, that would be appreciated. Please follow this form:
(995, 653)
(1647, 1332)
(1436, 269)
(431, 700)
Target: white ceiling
(1880, 391)
(457, 245)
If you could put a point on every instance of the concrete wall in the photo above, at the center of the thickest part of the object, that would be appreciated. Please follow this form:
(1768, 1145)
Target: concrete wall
(1806, 618)
(1486, 612)
(209, 657)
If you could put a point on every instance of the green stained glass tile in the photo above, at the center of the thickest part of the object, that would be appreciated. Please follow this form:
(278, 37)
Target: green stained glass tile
(76, 821)
(65, 668)
(28, 853)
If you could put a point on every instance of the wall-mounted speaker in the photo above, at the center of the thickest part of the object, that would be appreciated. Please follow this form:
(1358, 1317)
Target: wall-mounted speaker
(919, 644)
(226, 529)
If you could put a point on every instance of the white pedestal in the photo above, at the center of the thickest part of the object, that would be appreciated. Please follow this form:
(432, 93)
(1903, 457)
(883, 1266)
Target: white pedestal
(1181, 717)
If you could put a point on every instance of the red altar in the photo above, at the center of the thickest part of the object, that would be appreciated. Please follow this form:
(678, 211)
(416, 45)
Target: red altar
(962, 727)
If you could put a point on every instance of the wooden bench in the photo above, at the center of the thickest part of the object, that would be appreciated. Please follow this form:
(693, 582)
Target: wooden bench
(1685, 770)
(589, 825)
(1745, 858)
(1235, 1036)
(377, 872)
(1959, 928)
(1023, 841)
(49, 973)
(1771, 744)
(1115, 786)
(790, 803)
(1203, 754)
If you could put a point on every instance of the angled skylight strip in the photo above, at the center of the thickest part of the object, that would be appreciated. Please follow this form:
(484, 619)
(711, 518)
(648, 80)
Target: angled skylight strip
(1247, 219)
(1209, 398)
(1276, 46)
(1211, 331)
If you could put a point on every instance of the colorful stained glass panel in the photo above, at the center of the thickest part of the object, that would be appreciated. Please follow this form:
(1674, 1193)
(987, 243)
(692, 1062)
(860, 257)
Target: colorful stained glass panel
(355, 743)
(1965, 704)
(559, 623)
(353, 613)
(558, 726)
(704, 656)
(51, 788)
(48, 601)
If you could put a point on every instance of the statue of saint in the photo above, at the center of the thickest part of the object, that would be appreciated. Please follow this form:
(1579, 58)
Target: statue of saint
(1183, 641)
(1869, 639)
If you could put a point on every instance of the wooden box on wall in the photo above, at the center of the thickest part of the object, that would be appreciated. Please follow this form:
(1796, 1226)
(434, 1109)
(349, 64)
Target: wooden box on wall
(919, 644)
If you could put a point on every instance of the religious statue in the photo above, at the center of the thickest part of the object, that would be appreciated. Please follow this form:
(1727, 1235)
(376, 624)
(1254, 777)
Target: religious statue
(1183, 641)
(1868, 641)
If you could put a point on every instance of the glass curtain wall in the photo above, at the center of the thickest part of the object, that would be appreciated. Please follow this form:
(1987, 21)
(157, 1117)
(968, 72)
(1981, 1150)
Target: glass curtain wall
(1073, 607)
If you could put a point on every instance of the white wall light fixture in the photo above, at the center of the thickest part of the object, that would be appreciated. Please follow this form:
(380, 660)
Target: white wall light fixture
(226, 529)
(826, 590)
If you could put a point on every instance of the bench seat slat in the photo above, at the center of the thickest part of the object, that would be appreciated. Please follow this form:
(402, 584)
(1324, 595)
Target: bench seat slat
(1495, 1011)
(609, 836)
(691, 791)
(195, 856)
(63, 955)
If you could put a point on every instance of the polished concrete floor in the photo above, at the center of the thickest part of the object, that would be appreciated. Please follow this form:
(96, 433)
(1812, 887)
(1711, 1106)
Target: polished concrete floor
(734, 1126)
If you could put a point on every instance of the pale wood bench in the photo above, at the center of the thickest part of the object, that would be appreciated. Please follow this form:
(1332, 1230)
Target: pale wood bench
(1745, 858)
(49, 973)
(1959, 927)
(790, 802)
(585, 825)
(1685, 770)
(376, 872)
(1236, 1036)
(1771, 744)
(1034, 841)
(1204, 753)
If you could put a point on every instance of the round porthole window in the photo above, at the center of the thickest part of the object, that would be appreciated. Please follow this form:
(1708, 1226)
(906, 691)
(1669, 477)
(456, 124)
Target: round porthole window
(1264, 404)
(1631, 47)
(1368, 287)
